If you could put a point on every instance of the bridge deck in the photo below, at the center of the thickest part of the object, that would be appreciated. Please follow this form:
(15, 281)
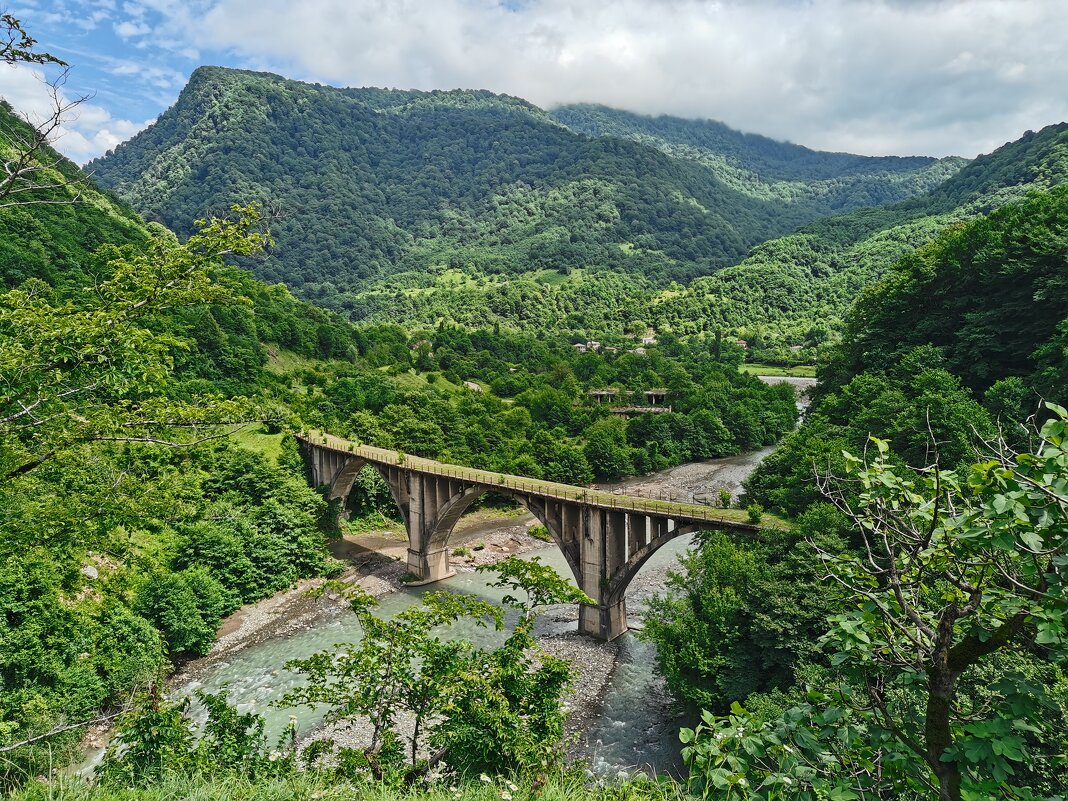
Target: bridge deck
(736, 519)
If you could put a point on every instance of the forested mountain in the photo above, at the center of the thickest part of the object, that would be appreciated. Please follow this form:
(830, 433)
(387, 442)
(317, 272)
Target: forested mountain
(793, 290)
(469, 207)
(786, 286)
(373, 184)
(766, 168)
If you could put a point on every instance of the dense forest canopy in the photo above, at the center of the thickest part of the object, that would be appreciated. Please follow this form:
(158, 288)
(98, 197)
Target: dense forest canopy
(383, 196)
(470, 207)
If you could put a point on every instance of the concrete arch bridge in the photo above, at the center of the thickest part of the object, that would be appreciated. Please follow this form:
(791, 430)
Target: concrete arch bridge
(605, 537)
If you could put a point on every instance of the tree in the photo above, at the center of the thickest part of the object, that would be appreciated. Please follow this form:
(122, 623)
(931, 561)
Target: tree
(478, 709)
(18, 46)
(954, 569)
(607, 451)
(743, 614)
(96, 369)
(956, 624)
(32, 172)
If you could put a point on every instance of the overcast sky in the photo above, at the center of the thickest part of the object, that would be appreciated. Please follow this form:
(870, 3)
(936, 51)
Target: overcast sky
(892, 77)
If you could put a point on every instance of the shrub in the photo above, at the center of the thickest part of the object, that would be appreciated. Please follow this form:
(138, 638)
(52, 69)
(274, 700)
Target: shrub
(756, 512)
(540, 532)
(186, 606)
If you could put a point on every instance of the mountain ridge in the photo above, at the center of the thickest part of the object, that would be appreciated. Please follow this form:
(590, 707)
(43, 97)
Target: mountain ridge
(388, 181)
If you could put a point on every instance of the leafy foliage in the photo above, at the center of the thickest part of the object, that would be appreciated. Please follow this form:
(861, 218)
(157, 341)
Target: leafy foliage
(945, 654)
(107, 540)
(479, 710)
(737, 618)
(999, 285)
(156, 739)
(938, 681)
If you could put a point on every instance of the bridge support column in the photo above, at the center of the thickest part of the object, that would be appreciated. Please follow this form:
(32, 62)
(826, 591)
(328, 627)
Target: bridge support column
(603, 621)
(426, 562)
(429, 566)
(602, 550)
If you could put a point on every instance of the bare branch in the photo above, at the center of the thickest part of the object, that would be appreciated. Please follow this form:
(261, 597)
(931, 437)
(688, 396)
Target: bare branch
(31, 173)
(60, 730)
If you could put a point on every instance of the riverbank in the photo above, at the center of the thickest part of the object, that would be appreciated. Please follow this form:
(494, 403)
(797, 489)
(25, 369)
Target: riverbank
(620, 712)
(377, 565)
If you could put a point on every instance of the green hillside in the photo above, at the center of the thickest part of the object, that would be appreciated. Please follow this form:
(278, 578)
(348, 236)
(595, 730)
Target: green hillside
(787, 285)
(768, 169)
(475, 208)
(51, 241)
(943, 366)
(792, 290)
(373, 185)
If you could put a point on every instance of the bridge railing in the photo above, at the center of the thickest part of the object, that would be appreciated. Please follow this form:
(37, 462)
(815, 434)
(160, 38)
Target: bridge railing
(609, 499)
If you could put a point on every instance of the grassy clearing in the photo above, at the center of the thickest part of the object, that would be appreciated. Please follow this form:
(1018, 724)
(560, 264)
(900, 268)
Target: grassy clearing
(374, 523)
(550, 277)
(799, 371)
(256, 439)
(493, 512)
(413, 380)
(322, 787)
(285, 361)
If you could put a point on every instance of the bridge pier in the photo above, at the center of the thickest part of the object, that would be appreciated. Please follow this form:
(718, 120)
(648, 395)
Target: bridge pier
(604, 621)
(602, 551)
(429, 566)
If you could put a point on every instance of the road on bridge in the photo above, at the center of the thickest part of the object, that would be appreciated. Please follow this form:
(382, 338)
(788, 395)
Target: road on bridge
(737, 519)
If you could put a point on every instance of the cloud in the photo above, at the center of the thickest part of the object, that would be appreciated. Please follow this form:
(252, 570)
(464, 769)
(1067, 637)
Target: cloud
(902, 77)
(129, 29)
(88, 130)
(160, 77)
(872, 76)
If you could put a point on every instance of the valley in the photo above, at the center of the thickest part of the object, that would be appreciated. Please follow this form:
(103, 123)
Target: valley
(613, 733)
(439, 445)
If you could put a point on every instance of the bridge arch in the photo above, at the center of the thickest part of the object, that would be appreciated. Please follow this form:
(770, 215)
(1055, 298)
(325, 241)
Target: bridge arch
(605, 538)
(343, 480)
(449, 515)
(620, 580)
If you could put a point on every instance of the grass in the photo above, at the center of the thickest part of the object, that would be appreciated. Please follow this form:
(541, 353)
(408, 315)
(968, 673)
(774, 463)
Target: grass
(318, 786)
(798, 371)
(375, 522)
(540, 533)
(413, 380)
(256, 439)
(550, 277)
(285, 361)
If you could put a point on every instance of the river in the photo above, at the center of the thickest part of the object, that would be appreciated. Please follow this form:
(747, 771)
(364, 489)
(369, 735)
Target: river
(637, 727)
(633, 727)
